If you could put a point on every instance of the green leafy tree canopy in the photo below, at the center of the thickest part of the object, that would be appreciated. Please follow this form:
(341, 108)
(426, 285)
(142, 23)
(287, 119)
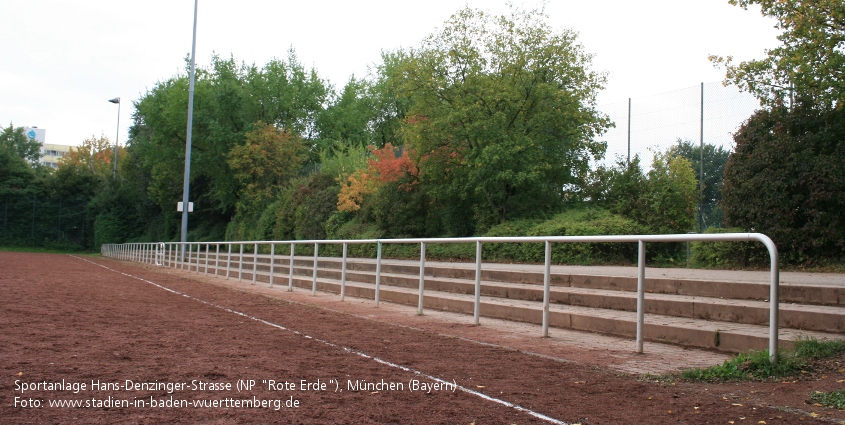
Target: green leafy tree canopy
(502, 113)
(810, 62)
(14, 140)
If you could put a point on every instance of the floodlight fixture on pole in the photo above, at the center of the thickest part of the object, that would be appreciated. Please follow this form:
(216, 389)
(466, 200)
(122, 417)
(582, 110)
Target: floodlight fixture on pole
(187, 179)
(117, 133)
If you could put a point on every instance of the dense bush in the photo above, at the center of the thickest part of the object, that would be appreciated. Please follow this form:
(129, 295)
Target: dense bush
(728, 254)
(575, 222)
(787, 180)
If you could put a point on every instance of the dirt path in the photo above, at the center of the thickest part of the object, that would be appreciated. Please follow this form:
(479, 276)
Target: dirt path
(93, 320)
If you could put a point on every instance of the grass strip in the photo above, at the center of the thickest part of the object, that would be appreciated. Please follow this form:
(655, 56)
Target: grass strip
(755, 365)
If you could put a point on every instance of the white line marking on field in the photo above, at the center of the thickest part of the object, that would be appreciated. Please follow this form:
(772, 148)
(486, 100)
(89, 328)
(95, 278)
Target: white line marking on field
(346, 349)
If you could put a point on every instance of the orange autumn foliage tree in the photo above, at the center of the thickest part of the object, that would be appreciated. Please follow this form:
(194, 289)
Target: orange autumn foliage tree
(94, 157)
(387, 166)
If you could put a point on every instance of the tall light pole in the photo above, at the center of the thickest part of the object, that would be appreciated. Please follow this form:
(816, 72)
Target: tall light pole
(117, 133)
(186, 185)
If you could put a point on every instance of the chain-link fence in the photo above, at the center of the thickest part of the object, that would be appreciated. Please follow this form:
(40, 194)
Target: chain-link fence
(39, 220)
(706, 115)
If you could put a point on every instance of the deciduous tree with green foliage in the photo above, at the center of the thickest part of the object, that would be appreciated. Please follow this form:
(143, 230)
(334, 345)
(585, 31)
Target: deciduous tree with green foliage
(267, 159)
(809, 63)
(18, 158)
(710, 184)
(229, 98)
(663, 200)
(14, 140)
(503, 114)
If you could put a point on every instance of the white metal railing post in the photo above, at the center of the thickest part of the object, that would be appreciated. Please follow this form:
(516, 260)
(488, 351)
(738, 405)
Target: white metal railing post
(314, 275)
(477, 308)
(343, 275)
(640, 294)
(216, 259)
(255, 264)
(290, 269)
(241, 263)
(547, 288)
(228, 261)
(207, 250)
(774, 300)
(378, 271)
(422, 278)
(272, 262)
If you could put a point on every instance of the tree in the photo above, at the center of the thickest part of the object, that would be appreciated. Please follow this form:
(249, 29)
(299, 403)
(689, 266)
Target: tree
(93, 157)
(16, 142)
(385, 92)
(229, 98)
(810, 62)
(18, 157)
(787, 179)
(710, 184)
(671, 194)
(389, 165)
(663, 200)
(267, 159)
(502, 115)
(349, 116)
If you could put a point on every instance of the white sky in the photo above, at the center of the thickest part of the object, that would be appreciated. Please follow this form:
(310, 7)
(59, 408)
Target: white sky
(62, 60)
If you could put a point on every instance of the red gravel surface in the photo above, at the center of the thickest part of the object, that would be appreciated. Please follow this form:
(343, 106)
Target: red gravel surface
(155, 337)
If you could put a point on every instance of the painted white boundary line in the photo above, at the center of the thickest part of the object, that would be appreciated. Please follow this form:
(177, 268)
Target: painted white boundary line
(340, 347)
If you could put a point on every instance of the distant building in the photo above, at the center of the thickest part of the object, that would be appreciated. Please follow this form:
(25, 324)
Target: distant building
(51, 154)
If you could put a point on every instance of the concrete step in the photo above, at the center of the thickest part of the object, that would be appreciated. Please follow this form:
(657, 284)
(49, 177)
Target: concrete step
(723, 336)
(604, 304)
(819, 294)
(795, 316)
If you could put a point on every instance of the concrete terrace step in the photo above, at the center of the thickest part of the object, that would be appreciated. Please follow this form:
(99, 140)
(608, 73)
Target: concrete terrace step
(730, 337)
(725, 315)
(741, 286)
(795, 316)
(799, 288)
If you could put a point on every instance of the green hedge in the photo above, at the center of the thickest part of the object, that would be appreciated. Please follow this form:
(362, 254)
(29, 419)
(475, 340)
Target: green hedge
(728, 254)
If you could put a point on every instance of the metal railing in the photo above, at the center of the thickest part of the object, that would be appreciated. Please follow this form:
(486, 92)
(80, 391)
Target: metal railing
(172, 254)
